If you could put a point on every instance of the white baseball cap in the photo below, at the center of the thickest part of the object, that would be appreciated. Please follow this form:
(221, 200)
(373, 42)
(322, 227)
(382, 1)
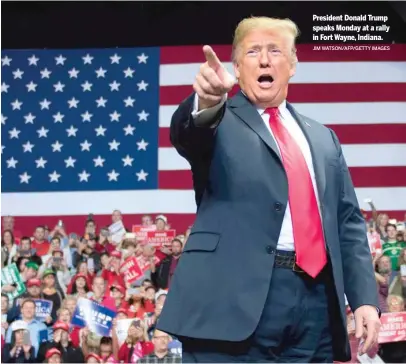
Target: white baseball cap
(19, 325)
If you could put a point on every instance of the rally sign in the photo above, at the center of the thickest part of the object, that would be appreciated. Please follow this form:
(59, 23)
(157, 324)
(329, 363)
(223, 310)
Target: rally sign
(141, 232)
(145, 264)
(43, 309)
(97, 318)
(159, 239)
(131, 270)
(393, 327)
(11, 276)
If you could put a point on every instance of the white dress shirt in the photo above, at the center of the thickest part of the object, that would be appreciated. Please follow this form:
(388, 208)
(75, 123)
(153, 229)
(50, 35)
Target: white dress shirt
(285, 241)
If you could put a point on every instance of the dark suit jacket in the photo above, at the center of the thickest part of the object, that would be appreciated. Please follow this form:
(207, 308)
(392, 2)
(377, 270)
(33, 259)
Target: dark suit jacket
(242, 193)
(160, 278)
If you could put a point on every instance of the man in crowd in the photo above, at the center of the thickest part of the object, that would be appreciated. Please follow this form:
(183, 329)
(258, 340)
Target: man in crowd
(392, 248)
(40, 243)
(161, 352)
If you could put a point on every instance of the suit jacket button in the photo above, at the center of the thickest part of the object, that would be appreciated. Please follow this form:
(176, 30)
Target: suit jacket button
(278, 206)
(270, 250)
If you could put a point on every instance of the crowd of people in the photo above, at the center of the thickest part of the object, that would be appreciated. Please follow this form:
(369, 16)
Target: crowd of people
(65, 268)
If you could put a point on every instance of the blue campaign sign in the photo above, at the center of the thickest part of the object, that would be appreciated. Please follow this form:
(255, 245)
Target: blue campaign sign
(96, 317)
(43, 309)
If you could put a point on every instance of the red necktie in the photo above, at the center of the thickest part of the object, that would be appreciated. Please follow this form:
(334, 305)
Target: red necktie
(307, 228)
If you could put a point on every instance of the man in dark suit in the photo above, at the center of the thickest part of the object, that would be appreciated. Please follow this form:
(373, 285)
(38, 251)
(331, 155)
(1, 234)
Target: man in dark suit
(279, 236)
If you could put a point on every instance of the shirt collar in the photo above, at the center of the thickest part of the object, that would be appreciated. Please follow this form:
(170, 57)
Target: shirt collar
(281, 107)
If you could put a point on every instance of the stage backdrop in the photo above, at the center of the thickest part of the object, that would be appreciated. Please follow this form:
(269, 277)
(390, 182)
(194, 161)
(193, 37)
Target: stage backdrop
(87, 131)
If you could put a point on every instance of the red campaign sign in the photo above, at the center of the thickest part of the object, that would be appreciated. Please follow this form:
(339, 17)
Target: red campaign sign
(141, 231)
(131, 270)
(374, 242)
(393, 327)
(158, 239)
(145, 264)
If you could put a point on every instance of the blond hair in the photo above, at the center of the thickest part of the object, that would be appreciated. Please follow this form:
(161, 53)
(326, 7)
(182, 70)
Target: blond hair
(245, 26)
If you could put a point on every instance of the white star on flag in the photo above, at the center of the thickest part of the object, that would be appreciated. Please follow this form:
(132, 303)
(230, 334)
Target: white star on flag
(41, 162)
(129, 101)
(45, 73)
(100, 130)
(142, 58)
(101, 102)
(28, 147)
(142, 176)
(70, 162)
(101, 72)
(4, 87)
(73, 73)
(113, 175)
(87, 59)
(129, 130)
(2, 148)
(3, 119)
(142, 145)
(45, 104)
(60, 60)
(128, 161)
(142, 86)
(143, 116)
(114, 86)
(72, 131)
(54, 177)
(128, 72)
(6, 61)
(114, 145)
(18, 74)
(59, 87)
(11, 163)
(84, 176)
(86, 116)
(115, 116)
(57, 146)
(98, 162)
(16, 105)
(58, 117)
(31, 87)
(87, 86)
(73, 103)
(115, 59)
(86, 146)
(29, 119)
(24, 178)
(42, 133)
(32, 61)
(14, 133)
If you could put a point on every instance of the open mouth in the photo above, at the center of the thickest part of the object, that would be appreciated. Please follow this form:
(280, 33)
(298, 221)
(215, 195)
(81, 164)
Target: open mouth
(265, 81)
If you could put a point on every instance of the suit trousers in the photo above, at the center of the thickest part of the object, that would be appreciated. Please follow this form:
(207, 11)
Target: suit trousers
(294, 326)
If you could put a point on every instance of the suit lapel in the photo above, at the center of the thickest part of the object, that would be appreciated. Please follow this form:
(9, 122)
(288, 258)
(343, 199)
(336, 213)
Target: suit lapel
(315, 143)
(242, 107)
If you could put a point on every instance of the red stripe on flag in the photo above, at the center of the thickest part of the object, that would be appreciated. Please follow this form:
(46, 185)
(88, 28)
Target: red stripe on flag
(317, 92)
(347, 134)
(361, 176)
(305, 52)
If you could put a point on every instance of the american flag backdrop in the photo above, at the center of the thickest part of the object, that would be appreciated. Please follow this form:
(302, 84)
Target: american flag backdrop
(87, 131)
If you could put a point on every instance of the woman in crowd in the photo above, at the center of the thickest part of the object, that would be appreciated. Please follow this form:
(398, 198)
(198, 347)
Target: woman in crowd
(18, 351)
(8, 247)
(79, 286)
(381, 222)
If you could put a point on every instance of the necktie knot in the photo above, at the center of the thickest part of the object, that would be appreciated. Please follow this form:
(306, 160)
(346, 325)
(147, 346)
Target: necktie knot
(273, 112)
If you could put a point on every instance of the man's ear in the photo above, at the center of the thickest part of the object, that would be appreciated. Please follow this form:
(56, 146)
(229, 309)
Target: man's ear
(292, 70)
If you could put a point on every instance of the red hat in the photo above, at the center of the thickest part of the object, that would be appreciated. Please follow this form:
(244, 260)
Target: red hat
(81, 275)
(119, 287)
(94, 356)
(57, 251)
(122, 310)
(116, 254)
(61, 325)
(34, 282)
(51, 352)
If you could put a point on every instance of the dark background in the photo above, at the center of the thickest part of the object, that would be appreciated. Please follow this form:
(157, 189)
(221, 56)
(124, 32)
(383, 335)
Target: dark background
(128, 24)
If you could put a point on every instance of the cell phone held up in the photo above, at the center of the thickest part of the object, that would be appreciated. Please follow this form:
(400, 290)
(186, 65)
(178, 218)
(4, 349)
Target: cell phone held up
(26, 338)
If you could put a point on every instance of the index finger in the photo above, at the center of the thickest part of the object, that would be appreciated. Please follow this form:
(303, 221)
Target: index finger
(211, 57)
(371, 337)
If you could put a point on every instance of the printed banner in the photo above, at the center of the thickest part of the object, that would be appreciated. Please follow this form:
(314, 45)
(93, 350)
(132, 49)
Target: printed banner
(159, 239)
(122, 329)
(141, 232)
(145, 264)
(11, 276)
(43, 309)
(97, 318)
(393, 327)
(131, 270)
(117, 231)
(375, 244)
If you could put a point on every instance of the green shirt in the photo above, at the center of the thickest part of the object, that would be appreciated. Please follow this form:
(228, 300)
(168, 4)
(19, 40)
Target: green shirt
(392, 250)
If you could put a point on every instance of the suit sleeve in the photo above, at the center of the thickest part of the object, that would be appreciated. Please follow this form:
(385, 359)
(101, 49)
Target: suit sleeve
(359, 279)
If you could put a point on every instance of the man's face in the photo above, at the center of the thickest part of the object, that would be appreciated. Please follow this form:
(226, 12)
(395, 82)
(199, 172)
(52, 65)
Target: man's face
(8, 223)
(28, 311)
(34, 291)
(150, 293)
(160, 340)
(391, 232)
(55, 244)
(264, 66)
(384, 265)
(39, 234)
(25, 244)
(116, 216)
(176, 248)
(160, 224)
(98, 286)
